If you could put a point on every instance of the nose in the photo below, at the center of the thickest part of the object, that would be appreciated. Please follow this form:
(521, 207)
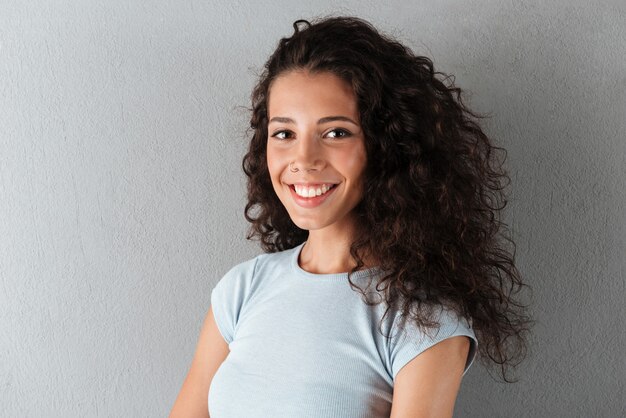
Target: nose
(308, 154)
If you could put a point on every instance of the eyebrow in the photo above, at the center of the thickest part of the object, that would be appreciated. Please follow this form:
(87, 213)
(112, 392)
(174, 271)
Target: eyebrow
(319, 122)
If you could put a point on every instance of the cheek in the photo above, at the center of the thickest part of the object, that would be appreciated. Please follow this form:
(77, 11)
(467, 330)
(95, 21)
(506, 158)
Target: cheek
(354, 162)
(274, 164)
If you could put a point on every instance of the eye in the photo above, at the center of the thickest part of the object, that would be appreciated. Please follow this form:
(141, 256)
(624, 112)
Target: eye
(338, 133)
(282, 134)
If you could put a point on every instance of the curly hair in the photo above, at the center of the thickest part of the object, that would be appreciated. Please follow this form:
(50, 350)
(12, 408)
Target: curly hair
(433, 181)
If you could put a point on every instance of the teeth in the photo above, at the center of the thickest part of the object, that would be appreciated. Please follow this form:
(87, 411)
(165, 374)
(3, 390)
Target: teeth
(308, 192)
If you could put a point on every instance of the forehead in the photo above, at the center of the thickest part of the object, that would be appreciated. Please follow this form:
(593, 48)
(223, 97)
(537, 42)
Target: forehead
(300, 90)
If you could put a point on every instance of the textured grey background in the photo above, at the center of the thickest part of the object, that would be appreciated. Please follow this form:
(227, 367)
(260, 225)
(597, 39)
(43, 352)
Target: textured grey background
(122, 128)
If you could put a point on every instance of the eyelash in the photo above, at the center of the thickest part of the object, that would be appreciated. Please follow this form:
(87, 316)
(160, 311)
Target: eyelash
(276, 134)
(341, 133)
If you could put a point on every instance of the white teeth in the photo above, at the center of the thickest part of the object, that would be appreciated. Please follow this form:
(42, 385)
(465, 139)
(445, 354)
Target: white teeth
(308, 192)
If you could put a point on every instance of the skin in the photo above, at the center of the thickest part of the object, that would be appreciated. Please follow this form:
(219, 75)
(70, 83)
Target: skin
(314, 123)
(211, 351)
(303, 128)
(427, 386)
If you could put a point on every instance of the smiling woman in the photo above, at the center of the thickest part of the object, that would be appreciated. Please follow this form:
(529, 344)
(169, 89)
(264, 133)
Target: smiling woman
(315, 142)
(375, 195)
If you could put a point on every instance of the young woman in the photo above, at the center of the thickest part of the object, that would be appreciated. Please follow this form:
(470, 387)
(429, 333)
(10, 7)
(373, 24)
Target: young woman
(375, 195)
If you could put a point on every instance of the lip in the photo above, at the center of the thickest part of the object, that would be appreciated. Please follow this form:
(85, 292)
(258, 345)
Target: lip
(309, 184)
(310, 202)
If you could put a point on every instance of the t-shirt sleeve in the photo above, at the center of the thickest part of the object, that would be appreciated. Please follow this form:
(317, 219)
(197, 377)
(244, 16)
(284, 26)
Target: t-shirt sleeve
(229, 296)
(408, 341)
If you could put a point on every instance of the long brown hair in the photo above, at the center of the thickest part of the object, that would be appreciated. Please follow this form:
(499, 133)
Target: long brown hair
(434, 184)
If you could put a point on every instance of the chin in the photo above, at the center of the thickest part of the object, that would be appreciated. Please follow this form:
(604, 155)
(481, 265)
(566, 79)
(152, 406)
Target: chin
(308, 224)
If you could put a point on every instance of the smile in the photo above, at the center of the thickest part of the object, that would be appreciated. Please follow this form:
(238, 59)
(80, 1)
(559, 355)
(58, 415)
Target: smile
(312, 191)
(318, 194)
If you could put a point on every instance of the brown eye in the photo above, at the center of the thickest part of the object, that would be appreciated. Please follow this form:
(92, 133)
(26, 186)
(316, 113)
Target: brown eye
(338, 133)
(282, 135)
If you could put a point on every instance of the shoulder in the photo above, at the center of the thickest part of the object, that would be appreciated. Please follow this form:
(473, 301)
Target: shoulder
(237, 278)
(408, 340)
(236, 289)
(428, 384)
(246, 275)
(447, 319)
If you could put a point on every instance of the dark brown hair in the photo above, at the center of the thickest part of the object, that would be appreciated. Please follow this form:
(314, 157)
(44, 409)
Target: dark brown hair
(433, 184)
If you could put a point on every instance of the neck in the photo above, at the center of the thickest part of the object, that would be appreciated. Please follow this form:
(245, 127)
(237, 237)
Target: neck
(328, 252)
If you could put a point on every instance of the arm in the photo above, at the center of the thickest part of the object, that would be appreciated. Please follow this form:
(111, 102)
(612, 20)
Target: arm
(427, 385)
(211, 350)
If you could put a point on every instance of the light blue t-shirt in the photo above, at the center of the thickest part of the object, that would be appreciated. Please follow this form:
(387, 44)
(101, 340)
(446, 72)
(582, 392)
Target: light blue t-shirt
(306, 345)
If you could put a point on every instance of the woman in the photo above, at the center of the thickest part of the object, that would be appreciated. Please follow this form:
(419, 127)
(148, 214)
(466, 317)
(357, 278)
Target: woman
(376, 196)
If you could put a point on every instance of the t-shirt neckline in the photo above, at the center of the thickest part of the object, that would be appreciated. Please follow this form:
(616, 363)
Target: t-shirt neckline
(300, 272)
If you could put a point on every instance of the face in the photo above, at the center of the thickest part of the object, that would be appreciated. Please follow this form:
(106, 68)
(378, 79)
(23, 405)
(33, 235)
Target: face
(315, 149)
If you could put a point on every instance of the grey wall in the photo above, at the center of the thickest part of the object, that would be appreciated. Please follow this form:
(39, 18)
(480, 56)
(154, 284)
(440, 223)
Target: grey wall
(122, 128)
